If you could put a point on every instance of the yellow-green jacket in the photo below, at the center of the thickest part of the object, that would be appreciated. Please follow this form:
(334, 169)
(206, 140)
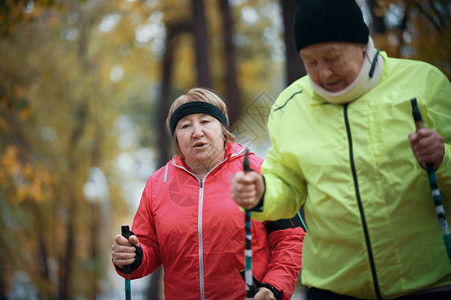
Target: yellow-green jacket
(372, 224)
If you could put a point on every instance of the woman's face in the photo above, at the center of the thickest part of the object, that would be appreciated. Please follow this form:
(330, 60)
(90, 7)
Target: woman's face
(333, 65)
(200, 139)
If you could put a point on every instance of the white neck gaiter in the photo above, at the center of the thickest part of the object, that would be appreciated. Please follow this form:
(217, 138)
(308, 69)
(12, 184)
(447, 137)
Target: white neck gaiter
(366, 79)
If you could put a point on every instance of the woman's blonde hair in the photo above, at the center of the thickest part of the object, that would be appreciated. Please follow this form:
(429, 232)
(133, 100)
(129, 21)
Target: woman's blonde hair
(203, 95)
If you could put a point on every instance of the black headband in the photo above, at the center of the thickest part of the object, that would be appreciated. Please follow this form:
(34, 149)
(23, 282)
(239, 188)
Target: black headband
(196, 107)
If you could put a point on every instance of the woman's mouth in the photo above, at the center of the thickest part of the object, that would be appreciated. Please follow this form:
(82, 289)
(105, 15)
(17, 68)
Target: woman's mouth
(199, 145)
(333, 86)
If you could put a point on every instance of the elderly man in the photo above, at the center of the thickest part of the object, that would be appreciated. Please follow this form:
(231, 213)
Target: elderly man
(344, 145)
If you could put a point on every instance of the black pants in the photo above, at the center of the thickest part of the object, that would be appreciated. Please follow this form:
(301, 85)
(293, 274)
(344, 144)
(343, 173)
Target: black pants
(317, 294)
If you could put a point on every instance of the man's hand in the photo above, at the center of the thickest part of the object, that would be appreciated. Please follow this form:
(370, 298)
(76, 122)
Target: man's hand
(427, 146)
(247, 189)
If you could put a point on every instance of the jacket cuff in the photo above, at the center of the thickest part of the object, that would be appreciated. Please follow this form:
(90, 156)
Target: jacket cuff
(443, 169)
(259, 207)
(136, 264)
(277, 294)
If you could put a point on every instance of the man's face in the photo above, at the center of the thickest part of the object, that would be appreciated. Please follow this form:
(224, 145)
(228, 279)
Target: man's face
(333, 65)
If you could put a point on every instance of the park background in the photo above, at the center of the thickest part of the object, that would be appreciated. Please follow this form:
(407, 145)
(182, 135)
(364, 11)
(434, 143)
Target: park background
(84, 91)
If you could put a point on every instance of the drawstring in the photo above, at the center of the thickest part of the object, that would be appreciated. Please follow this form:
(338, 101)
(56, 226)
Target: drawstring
(166, 173)
(374, 64)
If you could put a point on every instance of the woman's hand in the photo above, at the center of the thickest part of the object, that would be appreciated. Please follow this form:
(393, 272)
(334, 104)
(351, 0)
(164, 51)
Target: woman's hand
(427, 146)
(247, 189)
(264, 294)
(123, 251)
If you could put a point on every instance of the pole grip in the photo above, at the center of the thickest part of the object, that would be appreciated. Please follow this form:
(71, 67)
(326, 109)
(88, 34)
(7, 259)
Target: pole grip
(416, 114)
(125, 230)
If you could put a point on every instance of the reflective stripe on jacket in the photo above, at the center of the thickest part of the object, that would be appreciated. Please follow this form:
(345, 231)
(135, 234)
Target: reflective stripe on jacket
(372, 224)
(196, 231)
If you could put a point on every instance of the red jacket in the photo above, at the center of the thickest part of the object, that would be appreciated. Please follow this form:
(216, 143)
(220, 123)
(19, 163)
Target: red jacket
(195, 229)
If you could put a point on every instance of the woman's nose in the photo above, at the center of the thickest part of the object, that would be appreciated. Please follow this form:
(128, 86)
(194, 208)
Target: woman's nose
(197, 130)
(324, 71)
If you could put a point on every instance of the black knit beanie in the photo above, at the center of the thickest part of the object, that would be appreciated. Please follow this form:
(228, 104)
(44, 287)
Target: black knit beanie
(319, 21)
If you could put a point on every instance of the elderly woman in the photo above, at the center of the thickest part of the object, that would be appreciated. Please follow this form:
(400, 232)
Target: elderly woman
(188, 222)
(344, 145)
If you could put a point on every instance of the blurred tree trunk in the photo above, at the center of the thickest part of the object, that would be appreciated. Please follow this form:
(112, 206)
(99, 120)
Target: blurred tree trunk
(3, 279)
(440, 19)
(81, 117)
(232, 90)
(378, 30)
(377, 25)
(294, 68)
(201, 39)
(96, 223)
(173, 30)
(403, 27)
(45, 291)
(163, 105)
(67, 261)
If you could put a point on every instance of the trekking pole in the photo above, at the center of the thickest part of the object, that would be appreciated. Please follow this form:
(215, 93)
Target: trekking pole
(433, 183)
(251, 288)
(126, 233)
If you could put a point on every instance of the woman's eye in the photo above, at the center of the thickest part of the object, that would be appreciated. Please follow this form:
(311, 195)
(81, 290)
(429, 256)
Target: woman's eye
(332, 59)
(311, 64)
(184, 126)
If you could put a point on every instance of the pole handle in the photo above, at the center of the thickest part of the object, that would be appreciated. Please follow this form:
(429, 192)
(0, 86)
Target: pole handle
(419, 125)
(246, 165)
(416, 114)
(125, 229)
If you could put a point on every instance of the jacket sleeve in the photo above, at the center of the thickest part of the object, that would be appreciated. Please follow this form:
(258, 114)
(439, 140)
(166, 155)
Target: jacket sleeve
(439, 118)
(285, 238)
(144, 229)
(285, 186)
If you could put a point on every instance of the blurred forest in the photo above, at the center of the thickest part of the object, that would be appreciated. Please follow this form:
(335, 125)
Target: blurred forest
(84, 91)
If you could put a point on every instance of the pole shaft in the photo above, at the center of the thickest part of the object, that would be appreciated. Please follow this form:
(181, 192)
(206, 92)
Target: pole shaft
(251, 288)
(125, 230)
